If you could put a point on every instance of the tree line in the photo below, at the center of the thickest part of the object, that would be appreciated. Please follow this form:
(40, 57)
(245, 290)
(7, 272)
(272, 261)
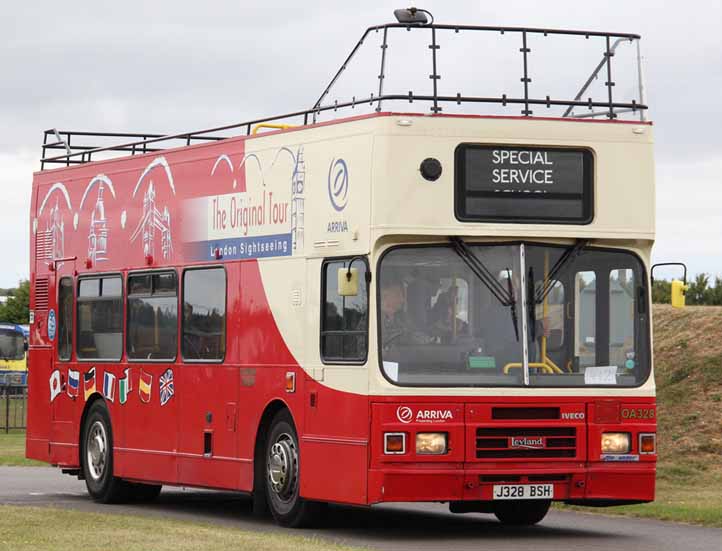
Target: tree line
(17, 307)
(701, 291)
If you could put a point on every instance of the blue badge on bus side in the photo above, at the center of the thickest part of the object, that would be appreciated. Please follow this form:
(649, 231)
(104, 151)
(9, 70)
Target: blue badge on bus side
(51, 325)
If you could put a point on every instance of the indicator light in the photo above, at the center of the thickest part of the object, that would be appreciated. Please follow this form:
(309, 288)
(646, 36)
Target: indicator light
(394, 443)
(647, 443)
(290, 381)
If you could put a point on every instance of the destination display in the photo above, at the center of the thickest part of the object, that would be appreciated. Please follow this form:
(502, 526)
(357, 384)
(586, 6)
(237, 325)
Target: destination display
(523, 184)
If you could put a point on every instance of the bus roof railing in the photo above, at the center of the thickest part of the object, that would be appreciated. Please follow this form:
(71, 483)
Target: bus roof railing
(74, 152)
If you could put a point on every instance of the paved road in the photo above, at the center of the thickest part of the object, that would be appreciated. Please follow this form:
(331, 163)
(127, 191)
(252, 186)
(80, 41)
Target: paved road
(394, 527)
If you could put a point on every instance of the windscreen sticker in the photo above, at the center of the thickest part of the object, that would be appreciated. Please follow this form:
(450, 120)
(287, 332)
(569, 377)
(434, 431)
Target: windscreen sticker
(600, 375)
(392, 370)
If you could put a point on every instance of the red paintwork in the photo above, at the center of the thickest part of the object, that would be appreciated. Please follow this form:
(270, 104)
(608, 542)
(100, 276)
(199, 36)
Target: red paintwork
(341, 434)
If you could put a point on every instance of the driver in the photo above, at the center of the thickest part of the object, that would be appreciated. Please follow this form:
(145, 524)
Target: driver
(393, 316)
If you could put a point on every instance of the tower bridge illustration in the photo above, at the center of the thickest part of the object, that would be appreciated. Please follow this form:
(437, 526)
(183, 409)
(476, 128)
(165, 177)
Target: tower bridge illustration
(151, 221)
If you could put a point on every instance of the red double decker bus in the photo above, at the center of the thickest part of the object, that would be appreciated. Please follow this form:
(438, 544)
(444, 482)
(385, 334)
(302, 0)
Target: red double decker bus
(437, 305)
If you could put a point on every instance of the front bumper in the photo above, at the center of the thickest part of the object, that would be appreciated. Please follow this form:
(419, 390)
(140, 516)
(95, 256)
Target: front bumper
(602, 483)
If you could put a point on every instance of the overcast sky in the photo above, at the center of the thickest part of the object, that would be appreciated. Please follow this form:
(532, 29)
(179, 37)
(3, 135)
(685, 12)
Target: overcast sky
(167, 66)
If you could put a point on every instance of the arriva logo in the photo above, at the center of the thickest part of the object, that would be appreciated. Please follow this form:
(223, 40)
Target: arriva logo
(406, 415)
(528, 443)
(338, 184)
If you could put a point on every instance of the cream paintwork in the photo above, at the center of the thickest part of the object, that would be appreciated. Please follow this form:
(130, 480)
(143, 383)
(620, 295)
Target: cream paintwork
(390, 203)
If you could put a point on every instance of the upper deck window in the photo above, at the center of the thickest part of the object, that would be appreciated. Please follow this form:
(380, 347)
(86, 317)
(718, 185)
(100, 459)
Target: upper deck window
(523, 184)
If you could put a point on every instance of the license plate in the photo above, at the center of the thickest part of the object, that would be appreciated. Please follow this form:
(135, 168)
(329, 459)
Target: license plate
(523, 491)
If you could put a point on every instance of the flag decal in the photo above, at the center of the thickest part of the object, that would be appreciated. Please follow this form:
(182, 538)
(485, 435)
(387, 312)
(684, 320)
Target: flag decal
(109, 386)
(145, 386)
(125, 386)
(73, 386)
(89, 383)
(167, 388)
(55, 386)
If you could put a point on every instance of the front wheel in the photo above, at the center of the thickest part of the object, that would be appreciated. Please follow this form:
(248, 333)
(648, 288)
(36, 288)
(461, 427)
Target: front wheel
(522, 512)
(282, 468)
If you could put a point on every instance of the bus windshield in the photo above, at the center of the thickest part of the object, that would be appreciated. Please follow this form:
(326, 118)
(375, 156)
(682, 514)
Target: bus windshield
(581, 317)
(12, 344)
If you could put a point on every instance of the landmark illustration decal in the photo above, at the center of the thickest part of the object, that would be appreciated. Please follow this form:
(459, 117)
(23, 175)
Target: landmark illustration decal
(155, 222)
(98, 231)
(50, 240)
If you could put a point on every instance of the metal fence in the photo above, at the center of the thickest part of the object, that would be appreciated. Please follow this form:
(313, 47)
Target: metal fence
(13, 405)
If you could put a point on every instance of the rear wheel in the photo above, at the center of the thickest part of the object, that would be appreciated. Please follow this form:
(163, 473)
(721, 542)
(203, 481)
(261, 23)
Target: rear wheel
(522, 512)
(282, 468)
(97, 457)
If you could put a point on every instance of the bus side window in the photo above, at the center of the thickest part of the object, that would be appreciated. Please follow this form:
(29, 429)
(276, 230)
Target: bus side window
(152, 316)
(204, 314)
(344, 320)
(100, 318)
(65, 318)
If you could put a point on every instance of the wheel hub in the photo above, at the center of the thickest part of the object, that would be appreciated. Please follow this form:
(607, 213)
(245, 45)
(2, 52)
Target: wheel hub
(283, 467)
(97, 450)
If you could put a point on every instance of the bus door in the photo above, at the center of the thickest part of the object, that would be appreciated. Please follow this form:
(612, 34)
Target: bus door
(64, 393)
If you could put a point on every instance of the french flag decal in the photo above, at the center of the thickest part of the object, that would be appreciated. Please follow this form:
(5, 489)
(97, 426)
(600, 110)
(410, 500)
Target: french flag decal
(109, 386)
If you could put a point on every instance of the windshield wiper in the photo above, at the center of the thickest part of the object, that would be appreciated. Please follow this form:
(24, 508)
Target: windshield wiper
(512, 304)
(504, 296)
(569, 254)
(531, 303)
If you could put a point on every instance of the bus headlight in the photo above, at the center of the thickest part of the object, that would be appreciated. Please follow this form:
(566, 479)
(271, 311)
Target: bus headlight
(431, 443)
(615, 442)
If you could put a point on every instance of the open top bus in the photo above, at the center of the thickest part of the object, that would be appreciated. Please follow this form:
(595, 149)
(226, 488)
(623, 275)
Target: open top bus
(399, 294)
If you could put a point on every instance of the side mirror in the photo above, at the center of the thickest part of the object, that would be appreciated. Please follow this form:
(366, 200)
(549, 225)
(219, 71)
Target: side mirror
(677, 288)
(348, 282)
(678, 291)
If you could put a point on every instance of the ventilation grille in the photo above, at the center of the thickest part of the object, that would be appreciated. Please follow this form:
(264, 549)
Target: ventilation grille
(525, 442)
(41, 294)
(44, 245)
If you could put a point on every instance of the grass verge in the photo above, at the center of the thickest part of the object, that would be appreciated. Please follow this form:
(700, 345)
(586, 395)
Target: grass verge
(12, 450)
(34, 528)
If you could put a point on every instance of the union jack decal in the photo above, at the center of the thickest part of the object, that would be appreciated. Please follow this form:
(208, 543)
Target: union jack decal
(166, 386)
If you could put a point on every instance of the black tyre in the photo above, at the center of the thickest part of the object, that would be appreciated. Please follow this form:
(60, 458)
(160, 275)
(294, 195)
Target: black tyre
(97, 457)
(522, 512)
(281, 469)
